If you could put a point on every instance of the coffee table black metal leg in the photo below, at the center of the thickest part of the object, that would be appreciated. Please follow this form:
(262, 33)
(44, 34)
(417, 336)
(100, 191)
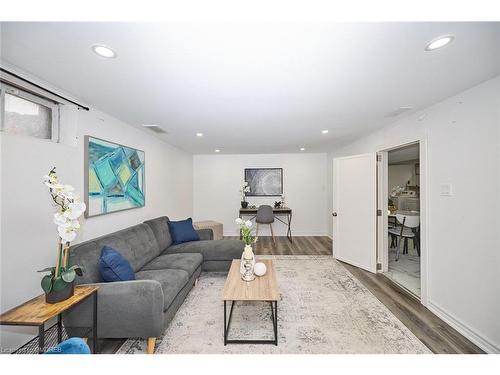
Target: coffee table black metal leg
(94, 325)
(274, 317)
(41, 338)
(225, 327)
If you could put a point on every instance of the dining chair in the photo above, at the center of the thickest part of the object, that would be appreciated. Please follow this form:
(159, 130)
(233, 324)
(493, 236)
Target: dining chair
(392, 223)
(409, 228)
(265, 215)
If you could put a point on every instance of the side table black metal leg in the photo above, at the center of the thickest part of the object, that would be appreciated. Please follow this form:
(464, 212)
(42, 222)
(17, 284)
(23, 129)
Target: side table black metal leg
(41, 338)
(59, 328)
(94, 325)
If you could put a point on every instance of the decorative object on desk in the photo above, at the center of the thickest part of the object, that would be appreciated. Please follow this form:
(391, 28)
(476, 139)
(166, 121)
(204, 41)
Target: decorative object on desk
(243, 191)
(283, 201)
(247, 258)
(264, 181)
(260, 269)
(114, 177)
(59, 284)
(277, 204)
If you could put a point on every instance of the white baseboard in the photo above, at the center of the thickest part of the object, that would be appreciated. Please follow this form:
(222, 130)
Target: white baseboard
(294, 234)
(461, 327)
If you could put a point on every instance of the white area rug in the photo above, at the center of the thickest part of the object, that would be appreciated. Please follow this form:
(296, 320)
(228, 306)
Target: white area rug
(324, 309)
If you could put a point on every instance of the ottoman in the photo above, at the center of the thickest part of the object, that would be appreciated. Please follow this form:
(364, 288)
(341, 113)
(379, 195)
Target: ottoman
(210, 224)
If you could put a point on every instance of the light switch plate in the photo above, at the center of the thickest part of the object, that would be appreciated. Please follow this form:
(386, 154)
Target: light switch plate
(446, 190)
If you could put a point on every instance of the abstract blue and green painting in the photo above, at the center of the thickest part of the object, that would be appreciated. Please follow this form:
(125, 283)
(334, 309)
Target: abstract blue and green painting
(115, 177)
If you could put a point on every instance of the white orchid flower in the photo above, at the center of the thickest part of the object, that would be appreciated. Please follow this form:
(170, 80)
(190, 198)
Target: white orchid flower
(60, 219)
(52, 179)
(75, 210)
(75, 224)
(67, 233)
(248, 224)
(239, 221)
(67, 195)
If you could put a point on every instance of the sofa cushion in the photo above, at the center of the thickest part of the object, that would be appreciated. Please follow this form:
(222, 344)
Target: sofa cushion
(137, 244)
(172, 281)
(183, 231)
(187, 262)
(211, 250)
(114, 267)
(160, 229)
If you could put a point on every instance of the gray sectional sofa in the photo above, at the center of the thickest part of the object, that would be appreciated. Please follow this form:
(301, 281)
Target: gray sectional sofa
(165, 273)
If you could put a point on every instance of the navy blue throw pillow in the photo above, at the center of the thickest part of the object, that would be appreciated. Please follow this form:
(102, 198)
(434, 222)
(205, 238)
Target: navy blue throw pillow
(182, 231)
(114, 267)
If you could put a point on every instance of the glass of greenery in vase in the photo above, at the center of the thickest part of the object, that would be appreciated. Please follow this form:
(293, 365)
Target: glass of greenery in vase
(248, 257)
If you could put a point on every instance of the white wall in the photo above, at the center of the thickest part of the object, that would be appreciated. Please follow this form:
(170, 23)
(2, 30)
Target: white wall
(463, 148)
(218, 179)
(28, 236)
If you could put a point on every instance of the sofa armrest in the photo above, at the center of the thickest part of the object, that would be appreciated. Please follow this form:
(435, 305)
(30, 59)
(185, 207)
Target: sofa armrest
(205, 234)
(124, 309)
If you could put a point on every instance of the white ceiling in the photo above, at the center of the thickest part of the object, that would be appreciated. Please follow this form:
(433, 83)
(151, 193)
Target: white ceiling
(256, 88)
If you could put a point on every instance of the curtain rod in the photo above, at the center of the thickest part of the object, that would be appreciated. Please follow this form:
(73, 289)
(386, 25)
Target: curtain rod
(44, 89)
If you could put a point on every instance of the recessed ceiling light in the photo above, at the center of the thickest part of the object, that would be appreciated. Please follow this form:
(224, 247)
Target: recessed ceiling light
(324, 131)
(199, 134)
(439, 42)
(103, 51)
(217, 150)
(302, 149)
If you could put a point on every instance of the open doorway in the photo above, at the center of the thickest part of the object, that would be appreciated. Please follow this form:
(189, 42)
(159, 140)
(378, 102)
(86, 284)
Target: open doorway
(403, 218)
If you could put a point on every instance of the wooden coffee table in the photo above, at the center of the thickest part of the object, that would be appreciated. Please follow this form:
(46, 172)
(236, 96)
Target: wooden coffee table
(263, 288)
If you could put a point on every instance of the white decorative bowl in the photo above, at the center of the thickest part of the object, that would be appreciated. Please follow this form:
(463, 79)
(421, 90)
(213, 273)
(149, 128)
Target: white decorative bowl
(259, 269)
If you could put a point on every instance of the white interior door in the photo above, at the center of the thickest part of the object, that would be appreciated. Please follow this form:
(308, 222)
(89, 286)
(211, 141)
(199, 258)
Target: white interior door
(355, 210)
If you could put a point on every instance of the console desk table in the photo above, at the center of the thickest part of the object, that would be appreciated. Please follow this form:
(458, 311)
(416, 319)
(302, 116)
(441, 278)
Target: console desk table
(284, 211)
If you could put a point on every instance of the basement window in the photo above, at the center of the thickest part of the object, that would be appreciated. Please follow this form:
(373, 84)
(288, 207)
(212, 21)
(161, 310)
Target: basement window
(23, 113)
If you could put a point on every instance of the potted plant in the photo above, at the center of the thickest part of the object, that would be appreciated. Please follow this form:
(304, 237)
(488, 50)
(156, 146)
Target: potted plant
(58, 284)
(244, 189)
(247, 258)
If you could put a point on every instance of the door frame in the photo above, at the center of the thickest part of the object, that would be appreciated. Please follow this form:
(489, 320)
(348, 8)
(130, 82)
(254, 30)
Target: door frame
(382, 197)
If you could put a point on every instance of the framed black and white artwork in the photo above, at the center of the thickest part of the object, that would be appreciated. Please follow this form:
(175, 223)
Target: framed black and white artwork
(264, 182)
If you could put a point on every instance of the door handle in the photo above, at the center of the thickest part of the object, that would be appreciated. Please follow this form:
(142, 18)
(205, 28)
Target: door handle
(334, 214)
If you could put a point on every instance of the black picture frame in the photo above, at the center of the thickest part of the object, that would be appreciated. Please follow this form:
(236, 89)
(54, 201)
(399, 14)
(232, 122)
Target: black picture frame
(251, 177)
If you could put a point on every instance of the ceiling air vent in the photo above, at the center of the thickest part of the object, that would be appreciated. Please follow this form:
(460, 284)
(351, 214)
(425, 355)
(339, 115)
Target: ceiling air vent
(398, 111)
(156, 129)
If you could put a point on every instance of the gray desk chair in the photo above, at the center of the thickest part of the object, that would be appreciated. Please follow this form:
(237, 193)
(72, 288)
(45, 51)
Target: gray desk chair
(265, 215)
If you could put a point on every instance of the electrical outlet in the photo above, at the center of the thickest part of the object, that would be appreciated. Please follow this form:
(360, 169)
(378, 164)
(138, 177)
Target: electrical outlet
(446, 190)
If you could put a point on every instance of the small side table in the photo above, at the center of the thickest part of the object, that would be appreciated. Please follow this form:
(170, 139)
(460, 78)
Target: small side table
(216, 227)
(36, 312)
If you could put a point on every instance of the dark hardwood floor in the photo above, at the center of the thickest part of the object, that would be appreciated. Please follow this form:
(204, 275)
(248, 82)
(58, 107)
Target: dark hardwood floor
(317, 245)
(437, 335)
